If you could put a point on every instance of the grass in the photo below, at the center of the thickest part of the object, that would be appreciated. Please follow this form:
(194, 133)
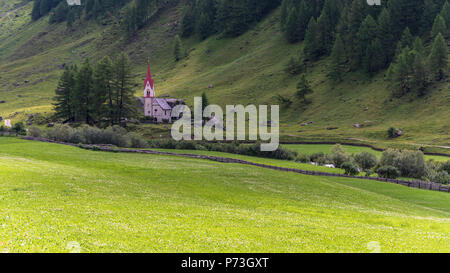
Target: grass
(310, 149)
(242, 70)
(53, 195)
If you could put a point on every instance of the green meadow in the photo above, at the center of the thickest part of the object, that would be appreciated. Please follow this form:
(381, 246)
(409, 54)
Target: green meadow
(53, 197)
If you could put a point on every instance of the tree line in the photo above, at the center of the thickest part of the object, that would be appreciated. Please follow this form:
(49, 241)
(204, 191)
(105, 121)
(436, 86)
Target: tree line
(371, 38)
(90, 93)
(60, 11)
(231, 17)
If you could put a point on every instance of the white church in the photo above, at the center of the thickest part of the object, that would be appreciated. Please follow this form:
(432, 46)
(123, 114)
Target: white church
(160, 109)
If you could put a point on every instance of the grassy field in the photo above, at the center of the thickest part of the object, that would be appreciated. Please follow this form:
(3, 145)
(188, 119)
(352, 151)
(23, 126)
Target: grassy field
(53, 197)
(309, 149)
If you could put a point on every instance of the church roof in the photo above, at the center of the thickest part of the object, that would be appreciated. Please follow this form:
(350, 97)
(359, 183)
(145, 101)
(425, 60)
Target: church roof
(163, 104)
(149, 79)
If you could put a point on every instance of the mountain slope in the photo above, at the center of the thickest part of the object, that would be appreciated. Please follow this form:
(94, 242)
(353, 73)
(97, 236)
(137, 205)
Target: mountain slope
(242, 70)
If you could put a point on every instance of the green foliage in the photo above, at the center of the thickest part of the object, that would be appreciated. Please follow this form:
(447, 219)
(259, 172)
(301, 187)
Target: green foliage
(438, 59)
(19, 129)
(338, 61)
(366, 160)
(311, 48)
(439, 26)
(338, 156)
(35, 131)
(178, 50)
(303, 88)
(295, 66)
(87, 95)
(205, 101)
(390, 172)
(350, 168)
(409, 163)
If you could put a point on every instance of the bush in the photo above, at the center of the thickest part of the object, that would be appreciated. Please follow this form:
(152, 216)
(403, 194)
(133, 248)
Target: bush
(411, 164)
(436, 172)
(302, 158)
(445, 167)
(350, 168)
(388, 172)
(390, 157)
(338, 156)
(35, 131)
(19, 129)
(366, 160)
(136, 141)
(392, 132)
(316, 156)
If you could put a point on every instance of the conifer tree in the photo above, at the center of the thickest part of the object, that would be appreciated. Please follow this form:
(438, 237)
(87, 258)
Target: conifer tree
(338, 59)
(366, 34)
(122, 85)
(64, 104)
(438, 59)
(103, 75)
(438, 26)
(84, 94)
(401, 72)
(386, 36)
(311, 47)
(445, 13)
(420, 75)
(303, 88)
(178, 50)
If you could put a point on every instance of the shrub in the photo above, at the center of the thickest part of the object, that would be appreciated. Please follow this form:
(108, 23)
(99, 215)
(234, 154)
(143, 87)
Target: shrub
(302, 158)
(19, 129)
(411, 164)
(436, 172)
(35, 131)
(338, 156)
(369, 173)
(366, 160)
(392, 132)
(316, 156)
(136, 141)
(388, 172)
(389, 157)
(445, 167)
(350, 168)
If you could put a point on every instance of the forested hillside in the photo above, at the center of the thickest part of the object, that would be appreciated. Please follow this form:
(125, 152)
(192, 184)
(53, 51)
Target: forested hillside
(347, 69)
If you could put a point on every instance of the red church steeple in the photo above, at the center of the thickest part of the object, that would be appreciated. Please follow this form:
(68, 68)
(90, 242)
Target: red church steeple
(149, 87)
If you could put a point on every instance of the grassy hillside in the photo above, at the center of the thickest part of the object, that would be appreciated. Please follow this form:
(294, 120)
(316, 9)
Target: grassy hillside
(242, 70)
(55, 197)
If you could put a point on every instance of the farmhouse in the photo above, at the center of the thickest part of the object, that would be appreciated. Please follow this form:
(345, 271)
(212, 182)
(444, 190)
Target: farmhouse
(158, 109)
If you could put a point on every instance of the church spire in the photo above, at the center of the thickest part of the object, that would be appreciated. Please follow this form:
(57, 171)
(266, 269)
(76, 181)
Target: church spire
(149, 88)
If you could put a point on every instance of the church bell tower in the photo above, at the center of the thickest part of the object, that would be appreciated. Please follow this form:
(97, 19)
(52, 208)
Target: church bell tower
(149, 93)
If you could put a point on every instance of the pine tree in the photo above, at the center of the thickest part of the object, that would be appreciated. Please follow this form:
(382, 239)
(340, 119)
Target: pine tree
(64, 105)
(338, 59)
(420, 75)
(366, 34)
(188, 21)
(284, 14)
(438, 59)
(401, 72)
(429, 14)
(373, 59)
(291, 28)
(418, 46)
(36, 12)
(178, 50)
(44, 7)
(438, 26)
(103, 75)
(122, 85)
(303, 88)
(357, 14)
(386, 36)
(84, 94)
(311, 48)
(445, 13)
